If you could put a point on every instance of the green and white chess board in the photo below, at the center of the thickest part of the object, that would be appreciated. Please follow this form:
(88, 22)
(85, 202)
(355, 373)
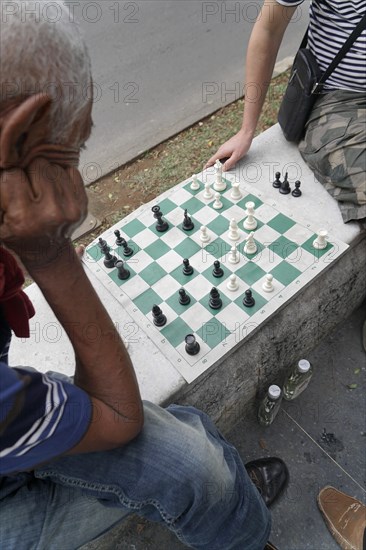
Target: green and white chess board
(284, 249)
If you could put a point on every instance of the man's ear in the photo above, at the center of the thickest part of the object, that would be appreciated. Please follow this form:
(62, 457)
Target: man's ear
(23, 127)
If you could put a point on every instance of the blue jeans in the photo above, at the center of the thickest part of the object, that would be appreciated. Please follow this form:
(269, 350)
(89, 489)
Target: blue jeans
(179, 471)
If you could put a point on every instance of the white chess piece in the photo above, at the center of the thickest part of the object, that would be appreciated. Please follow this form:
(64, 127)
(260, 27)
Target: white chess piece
(219, 184)
(250, 222)
(233, 231)
(268, 283)
(207, 193)
(235, 191)
(321, 241)
(250, 247)
(217, 204)
(195, 183)
(232, 283)
(233, 255)
(204, 236)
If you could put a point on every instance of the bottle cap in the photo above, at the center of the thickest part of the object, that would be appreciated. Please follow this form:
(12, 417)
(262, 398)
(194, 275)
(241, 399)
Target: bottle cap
(274, 392)
(304, 365)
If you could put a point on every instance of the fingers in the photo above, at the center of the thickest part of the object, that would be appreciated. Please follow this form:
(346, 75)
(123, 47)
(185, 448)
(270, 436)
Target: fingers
(212, 160)
(231, 161)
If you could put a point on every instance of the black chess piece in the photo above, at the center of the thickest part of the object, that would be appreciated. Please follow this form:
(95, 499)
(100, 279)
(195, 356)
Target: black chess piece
(296, 192)
(123, 273)
(159, 319)
(192, 346)
(109, 259)
(127, 251)
(215, 301)
(285, 188)
(248, 300)
(187, 268)
(119, 239)
(184, 299)
(217, 270)
(277, 181)
(187, 222)
(102, 243)
(161, 224)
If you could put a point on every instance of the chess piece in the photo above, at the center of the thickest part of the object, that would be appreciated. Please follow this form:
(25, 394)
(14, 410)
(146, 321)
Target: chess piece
(250, 247)
(207, 192)
(109, 259)
(217, 270)
(204, 236)
(187, 222)
(122, 272)
(127, 251)
(159, 319)
(233, 255)
(161, 224)
(235, 191)
(268, 284)
(250, 222)
(187, 268)
(232, 285)
(184, 299)
(277, 181)
(285, 188)
(321, 240)
(217, 204)
(215, 301)
(219, 184)
(192, 346)
(296, 192)
(233, 231)
(102, 243)
(248, 300)
(195, 183)
(119, 239)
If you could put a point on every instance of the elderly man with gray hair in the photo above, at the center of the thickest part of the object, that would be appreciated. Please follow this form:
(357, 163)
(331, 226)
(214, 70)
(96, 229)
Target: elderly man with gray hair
(76, 458)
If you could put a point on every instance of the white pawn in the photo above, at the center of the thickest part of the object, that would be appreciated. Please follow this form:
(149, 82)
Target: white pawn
(232, 284)
(233, 231)
(195, 183)
(321, 241)
(233, 255)
(219, 184)
(250, 247)
(204, 236)
(217, 204)
(235, 191)
(250, 222)
(207, 193)
(268, 284)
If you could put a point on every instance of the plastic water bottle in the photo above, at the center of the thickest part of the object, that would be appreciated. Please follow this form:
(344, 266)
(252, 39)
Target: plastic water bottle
(270, 406)
(297, 380)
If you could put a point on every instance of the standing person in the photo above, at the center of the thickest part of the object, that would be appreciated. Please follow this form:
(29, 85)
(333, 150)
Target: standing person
(334, 144)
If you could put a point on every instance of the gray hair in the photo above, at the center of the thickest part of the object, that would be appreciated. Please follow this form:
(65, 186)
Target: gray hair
(42, 50)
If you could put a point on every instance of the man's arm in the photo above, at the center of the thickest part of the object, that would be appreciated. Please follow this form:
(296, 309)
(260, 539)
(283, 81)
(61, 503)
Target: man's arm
(264, 43)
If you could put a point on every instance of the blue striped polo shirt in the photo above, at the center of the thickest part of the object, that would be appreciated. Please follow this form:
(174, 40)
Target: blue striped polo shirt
(331, 22)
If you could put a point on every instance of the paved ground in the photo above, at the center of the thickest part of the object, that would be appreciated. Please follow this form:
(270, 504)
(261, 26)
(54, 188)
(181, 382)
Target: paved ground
(328, 407)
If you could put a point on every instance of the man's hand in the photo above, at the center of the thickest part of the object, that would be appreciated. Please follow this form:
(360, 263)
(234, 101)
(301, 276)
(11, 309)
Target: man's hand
(234, 149)
(39, 210)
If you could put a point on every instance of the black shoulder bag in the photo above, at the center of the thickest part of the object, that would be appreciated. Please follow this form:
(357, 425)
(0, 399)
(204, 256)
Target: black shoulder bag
(305, 84)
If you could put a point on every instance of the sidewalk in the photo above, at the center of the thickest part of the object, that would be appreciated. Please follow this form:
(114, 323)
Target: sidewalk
(320, 436)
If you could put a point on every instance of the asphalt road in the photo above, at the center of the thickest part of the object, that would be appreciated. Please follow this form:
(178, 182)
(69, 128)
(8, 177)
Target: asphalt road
(161, 65)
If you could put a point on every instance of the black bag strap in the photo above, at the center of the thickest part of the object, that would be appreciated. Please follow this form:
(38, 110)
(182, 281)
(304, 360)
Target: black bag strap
(342, 52)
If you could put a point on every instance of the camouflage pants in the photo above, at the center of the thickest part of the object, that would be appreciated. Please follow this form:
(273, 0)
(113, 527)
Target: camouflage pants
(334, 147)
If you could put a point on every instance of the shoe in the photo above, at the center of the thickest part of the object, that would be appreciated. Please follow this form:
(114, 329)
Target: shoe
(345, 517)
(270, 546)
(270, 476)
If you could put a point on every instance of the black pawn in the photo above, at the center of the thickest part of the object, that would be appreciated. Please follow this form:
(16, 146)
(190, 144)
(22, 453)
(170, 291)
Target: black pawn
(192, 346)
(161, 224)
(277, 181)
(217, 270)
(127, 251)
(187, 268)
(187, 222)
(123, 273)
(285, 188)
(159, 318)
(184, 299)
(102, 243)
(109, 259)
(248, 300)
(119, 239)
(215, 300)
(296, 192)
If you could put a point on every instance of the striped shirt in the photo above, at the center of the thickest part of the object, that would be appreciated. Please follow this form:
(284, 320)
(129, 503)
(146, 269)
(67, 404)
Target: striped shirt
(331, 22)
(40, 417)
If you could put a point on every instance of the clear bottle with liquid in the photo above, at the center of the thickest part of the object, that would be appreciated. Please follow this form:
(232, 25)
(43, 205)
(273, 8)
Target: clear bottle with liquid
(298, 380)
(270, 406)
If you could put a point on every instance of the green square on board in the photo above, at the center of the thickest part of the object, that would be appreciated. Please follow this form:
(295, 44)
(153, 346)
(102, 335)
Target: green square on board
(283, 247)
(225, 205)
(250, 273)
(176, 331)
(196, 227)
(247, 231)
(95, 252)
(281, 223)
(250, 198)
(173, 302)
(179, 276)
(217, 248)
(219, 225)
(192, 206)
(133, 228)
(166, 206)
(205, 302)
(146, 300)
(213, 332)
(152, 273)
(157, 249)
(215, 281)
(187, 187)
(187, 248)
(285, 273)
(259, 303)
(113, 274)
(308, 246)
